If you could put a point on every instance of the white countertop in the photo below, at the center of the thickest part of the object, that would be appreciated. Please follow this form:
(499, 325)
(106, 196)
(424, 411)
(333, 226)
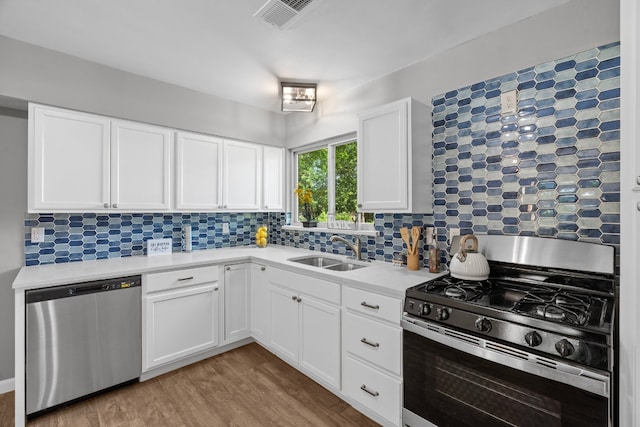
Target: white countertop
(378, 276)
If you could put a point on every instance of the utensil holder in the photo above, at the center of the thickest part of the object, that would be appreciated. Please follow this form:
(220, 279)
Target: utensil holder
(413, 262)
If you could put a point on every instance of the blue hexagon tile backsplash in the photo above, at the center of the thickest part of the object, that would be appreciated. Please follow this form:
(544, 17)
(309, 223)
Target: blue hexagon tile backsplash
(550, 169)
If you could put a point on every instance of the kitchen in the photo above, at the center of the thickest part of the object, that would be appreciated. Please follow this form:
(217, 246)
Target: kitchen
(144, 100)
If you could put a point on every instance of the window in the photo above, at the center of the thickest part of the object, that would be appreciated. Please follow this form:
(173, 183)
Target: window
(330, 171)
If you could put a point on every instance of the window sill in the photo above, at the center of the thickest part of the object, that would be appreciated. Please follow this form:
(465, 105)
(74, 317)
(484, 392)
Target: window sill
(373, 233)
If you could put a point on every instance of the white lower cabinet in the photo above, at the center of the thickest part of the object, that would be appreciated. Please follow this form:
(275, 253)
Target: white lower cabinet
(259, 303)
(237, 302)
(372, 357)
(180, 314)
(372, 388)
(304, 326)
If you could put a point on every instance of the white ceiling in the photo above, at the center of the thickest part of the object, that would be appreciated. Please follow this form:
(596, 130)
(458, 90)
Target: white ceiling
(218, 47)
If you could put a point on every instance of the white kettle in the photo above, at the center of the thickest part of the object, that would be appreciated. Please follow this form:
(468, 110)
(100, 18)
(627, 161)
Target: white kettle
(468, 263)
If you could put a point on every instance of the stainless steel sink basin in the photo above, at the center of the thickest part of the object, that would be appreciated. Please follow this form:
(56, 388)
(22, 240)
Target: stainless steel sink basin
(346, 266)
(327, 263)
(317, 261)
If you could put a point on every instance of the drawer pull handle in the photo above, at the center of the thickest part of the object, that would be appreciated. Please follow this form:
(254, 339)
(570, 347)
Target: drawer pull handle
(369, 343)
(366, 390)
(373, 307)
(184, 279)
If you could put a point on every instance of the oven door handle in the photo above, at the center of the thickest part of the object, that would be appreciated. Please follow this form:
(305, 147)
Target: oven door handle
(587, 380)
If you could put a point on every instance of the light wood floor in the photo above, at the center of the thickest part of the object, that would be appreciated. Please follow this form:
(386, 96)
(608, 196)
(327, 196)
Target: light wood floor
(247, 386)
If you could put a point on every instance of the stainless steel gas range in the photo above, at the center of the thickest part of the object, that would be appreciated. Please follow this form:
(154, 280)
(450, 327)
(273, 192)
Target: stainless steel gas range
(533, 345)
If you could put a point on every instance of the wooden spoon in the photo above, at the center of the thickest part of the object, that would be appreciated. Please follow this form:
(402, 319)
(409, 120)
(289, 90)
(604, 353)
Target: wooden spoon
(415, 237)
(404, 233)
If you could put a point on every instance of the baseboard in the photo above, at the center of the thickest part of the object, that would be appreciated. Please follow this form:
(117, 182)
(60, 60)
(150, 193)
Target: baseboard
(7, 385)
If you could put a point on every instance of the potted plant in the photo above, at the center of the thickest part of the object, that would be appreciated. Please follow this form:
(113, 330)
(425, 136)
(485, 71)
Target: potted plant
(305, 196)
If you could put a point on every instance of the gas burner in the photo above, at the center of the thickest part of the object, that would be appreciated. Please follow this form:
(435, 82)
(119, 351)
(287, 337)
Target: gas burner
(457, 289)
(454, 292)
(551, 312)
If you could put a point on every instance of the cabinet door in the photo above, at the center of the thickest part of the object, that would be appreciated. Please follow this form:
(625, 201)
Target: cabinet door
(198, 172)
(69, 160)
(320, 340)
(140, 166)
(179, 324)
(383, 158)
(259, 303)
(237, 302)
(273, 178)
(242, 176)
(283, 325)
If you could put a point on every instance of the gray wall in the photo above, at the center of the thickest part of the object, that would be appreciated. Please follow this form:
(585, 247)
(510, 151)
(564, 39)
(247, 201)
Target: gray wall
(573, 27)
(13, 205)
(36, 74)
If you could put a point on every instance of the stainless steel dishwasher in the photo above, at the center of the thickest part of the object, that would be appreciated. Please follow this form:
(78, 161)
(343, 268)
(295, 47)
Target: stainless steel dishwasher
(81, 339)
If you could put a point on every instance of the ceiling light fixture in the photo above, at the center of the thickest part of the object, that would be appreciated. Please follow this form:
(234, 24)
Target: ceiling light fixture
(298, 96)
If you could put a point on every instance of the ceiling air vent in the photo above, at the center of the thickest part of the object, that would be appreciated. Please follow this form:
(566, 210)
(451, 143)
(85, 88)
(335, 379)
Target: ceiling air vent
(281, 13)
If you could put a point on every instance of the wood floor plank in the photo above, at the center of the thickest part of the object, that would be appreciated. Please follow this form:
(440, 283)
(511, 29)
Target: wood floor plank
(247, 386)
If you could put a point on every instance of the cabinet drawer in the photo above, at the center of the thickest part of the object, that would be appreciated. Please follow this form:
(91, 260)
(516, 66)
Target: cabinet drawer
(379, 306)
(373, 389)
(318, 288)
(179, 278)
(373, 341)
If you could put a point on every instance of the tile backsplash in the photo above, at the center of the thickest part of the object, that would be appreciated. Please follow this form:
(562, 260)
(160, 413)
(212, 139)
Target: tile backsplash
(82, 237)
(550, 169)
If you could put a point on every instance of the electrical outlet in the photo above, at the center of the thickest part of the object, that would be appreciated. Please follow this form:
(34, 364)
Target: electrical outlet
(225, 228)
(37, 234)
(453, 232)
(509, 101)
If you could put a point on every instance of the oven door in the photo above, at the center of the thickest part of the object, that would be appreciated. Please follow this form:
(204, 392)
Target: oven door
(450, 380)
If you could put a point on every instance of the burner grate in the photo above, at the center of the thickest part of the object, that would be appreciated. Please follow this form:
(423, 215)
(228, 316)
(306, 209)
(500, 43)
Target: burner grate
(458, 289)
(556, 305)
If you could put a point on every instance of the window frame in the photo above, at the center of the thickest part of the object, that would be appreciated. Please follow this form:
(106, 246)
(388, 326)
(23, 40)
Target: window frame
(331, 145)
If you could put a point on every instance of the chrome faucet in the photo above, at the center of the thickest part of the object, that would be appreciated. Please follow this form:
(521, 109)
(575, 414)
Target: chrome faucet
(356, 247)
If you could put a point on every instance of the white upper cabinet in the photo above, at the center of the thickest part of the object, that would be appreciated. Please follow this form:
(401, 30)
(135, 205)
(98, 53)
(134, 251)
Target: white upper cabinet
(84, 162)
(198, 172)
(394, 158)
(68, 160)
(140, 166)
(273, 178)
(242, 182)
(81, 162)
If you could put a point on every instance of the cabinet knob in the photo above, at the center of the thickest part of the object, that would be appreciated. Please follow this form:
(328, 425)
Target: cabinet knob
(638, 180)
(263, 268)
(266, 207)
(359, 205)
(298, 299)
(228, 268)
(225, 206)
(638, 206)
(219, 206)
(293, 297)
(215, 289)
(115, 205)
(106, 205)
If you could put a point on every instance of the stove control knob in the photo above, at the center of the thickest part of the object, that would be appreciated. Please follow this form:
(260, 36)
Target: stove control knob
(564, 348)
(425, 309)
(533, 339)
(442, 313)
(483, 325)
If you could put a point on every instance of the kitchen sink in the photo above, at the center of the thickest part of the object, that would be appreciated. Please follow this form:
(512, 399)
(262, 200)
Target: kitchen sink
(317, 261)
(327, 263)
(345, 266)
